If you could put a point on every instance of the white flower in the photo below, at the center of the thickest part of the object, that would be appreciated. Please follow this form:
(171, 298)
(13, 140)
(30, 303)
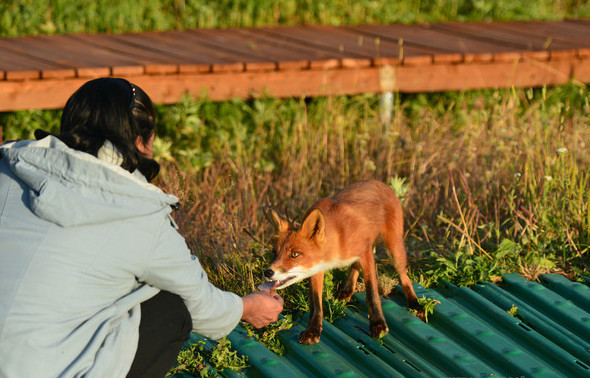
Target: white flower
(561, 150)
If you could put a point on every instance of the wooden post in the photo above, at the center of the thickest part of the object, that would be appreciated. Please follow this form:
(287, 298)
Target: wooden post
(388, 84)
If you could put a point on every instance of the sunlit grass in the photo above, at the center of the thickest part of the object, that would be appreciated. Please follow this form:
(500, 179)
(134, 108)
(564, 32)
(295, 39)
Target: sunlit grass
(494, 180)
(31, 17)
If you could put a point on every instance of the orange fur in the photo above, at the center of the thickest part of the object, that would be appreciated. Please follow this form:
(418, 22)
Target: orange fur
(338, 232)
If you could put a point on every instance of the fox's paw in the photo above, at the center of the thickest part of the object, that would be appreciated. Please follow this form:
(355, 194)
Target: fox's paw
(309, 337)
(344, 294)
(378, 329)
(417, 310)
(420, 314)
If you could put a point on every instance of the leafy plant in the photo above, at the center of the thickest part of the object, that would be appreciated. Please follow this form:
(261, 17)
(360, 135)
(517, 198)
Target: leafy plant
(197, 360)
(191, 360)
(427, 305)
(268, 335)
(513, 311)
(223, 357)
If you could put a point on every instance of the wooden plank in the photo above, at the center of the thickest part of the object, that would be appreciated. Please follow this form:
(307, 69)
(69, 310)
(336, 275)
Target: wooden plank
(447, 48)
(185, 51)
(346, 47)
(88, 59)
(567, 35)
(35, 61)
(164, 59)
(222, 86)
(528, 73)
(37, 94)
(381, 51)
(537, 46)
(561, 39)
(581, 70)
(544, 38)
(233, 47)
(313, 56)
(18, 66)
(85, 60)
(353, 47)
(137, 55)
(263, 49)
(256, 54)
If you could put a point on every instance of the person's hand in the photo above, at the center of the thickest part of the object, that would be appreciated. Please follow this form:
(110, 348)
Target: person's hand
(262, 308)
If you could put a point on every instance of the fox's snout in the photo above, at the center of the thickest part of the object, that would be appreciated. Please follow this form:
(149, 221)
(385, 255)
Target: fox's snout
(285, 278)
(269, 273)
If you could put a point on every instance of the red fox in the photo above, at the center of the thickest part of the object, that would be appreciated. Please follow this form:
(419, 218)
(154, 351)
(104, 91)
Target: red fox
(338, 232)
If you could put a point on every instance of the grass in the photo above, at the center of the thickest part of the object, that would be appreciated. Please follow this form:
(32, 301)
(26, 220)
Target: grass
(492, 181)
(31, 17)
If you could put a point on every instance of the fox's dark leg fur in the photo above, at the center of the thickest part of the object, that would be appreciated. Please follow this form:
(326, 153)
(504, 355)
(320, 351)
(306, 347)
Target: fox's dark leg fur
(346, 292)
(377, 324)
(393, 238)
(311, 335)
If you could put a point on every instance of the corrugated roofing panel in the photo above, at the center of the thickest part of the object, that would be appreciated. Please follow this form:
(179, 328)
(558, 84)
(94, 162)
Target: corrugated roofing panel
(470, 333)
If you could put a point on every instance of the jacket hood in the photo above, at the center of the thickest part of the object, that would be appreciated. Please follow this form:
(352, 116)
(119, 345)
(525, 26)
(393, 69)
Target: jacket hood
(70, 187)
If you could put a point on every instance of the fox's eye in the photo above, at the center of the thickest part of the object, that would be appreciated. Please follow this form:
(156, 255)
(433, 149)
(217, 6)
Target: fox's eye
(295, 254)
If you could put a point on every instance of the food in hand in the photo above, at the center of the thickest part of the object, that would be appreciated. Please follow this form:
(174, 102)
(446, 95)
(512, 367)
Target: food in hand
(268, 286)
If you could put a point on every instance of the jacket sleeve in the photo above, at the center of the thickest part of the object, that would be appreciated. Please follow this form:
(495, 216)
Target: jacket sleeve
(171, 267)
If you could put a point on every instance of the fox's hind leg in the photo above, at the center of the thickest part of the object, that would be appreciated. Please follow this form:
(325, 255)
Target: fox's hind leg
(393, 236)
(346, 292)
(377, 324)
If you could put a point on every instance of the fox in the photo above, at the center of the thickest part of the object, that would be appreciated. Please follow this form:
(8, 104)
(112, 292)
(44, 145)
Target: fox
(335, 233)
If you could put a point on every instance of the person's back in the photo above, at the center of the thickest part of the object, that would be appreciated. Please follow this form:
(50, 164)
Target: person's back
(75, 235)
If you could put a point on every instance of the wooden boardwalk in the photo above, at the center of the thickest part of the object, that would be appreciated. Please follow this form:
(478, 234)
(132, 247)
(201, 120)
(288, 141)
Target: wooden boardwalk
(43, 71)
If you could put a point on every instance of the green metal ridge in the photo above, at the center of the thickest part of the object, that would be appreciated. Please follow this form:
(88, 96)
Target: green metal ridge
(440, 350)
(536, 320)
(354, 352)
(319, 359)
(401, 357)
(484, 341)
(264, 362)
(552, 304)
(469, 333)
(514, 328)
(576, 292)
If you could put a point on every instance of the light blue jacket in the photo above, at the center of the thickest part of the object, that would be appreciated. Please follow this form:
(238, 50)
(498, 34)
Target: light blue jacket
(82, 243)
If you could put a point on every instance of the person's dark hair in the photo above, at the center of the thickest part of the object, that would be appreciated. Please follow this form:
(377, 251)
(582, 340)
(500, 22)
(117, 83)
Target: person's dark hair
(113, 109)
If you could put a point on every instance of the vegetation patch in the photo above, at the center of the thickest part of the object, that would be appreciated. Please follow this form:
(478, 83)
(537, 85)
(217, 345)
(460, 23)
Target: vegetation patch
(197, 360)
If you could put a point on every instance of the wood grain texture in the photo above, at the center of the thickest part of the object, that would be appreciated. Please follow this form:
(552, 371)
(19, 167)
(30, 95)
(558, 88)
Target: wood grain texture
(42, 72)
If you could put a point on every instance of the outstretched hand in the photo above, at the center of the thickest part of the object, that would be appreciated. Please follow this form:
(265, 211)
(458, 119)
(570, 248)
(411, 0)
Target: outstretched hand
(262, 308)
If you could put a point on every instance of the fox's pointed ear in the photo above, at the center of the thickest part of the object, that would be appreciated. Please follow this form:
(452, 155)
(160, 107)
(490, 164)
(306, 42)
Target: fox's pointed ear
(282, 225)
(314, 225)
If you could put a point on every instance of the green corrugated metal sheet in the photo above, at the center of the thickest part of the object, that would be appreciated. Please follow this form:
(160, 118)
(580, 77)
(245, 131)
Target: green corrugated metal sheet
(470, 333)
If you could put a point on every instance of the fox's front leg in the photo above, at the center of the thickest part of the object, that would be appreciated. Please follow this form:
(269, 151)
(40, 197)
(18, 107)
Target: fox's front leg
(377, 324)
(311, 335)
(346, 292)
